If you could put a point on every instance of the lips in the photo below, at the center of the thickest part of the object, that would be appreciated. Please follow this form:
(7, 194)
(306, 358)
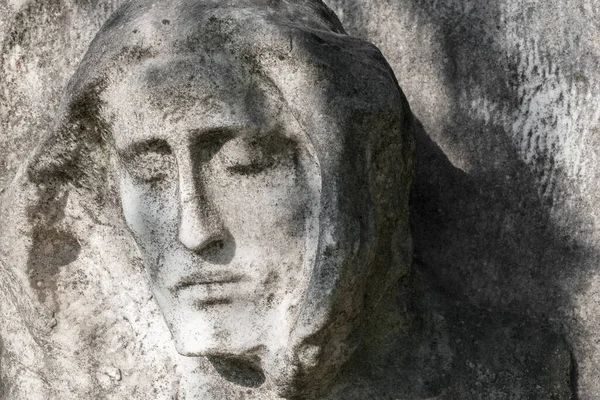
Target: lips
(212, 279)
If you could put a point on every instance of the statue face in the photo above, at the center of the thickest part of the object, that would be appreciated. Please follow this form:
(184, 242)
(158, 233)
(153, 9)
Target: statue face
(263, 161)
(217, 190)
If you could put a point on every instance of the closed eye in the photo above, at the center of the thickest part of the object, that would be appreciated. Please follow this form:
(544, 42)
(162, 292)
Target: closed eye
(252, 157)
(250, 169)
(149, 162)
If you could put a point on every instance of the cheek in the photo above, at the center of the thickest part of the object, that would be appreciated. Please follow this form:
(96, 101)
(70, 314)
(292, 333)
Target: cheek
(149, 213)
(270, 208)
(132, 208)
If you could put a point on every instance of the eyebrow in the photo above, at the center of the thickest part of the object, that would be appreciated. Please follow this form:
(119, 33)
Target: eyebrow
(198, 138)
(145, 146)
(214, 136)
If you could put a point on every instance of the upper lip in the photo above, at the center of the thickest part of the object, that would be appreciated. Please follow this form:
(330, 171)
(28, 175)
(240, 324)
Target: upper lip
(207, 279)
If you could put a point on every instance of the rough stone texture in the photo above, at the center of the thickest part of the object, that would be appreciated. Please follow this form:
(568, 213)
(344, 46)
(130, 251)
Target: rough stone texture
(231, 147)
(504, 210)
(504, 298)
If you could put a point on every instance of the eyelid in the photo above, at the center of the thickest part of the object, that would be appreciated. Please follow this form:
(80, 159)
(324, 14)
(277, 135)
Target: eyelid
(148, 162)
(255, 155)
(213, 136)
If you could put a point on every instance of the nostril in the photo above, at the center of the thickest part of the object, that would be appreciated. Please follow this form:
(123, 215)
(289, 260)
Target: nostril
(201, 242)
(213, 247)
(217, 248)
(219, 251)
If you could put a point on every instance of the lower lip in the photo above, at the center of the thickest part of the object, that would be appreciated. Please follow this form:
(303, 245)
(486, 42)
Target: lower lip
(204, 303)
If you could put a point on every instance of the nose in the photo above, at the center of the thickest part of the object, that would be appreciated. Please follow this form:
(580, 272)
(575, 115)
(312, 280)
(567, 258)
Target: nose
(201, 228)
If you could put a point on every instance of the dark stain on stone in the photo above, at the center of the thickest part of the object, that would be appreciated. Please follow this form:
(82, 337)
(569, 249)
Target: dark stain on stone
(51, 247)
(51, 250)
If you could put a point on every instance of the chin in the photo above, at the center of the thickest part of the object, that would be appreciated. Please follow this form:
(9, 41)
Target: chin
(205, 347)
(221, 330)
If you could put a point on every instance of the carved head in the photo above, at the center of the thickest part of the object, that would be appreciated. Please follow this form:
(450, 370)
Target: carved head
(262, 161)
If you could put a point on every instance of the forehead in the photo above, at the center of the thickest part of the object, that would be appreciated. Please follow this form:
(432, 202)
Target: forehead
(164, 97)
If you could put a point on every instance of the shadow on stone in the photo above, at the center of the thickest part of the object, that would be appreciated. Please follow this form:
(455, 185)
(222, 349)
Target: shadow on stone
(239, 371)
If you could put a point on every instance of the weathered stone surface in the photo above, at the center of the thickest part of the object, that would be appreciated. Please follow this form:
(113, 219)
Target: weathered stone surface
(231, 147)
(504, 211)
(502, 300)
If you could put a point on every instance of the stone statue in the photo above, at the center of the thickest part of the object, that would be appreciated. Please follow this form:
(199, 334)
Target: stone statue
(220, 211)
(261, 160)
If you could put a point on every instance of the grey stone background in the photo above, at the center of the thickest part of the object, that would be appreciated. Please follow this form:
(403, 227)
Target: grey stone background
(504, 207)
